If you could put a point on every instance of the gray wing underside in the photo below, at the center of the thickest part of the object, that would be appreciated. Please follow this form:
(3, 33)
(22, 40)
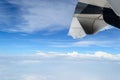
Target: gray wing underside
(86, 20)
(86, 24)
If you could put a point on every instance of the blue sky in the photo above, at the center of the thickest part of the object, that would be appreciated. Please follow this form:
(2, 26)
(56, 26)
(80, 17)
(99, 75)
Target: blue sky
(29, 27)
(34, 43)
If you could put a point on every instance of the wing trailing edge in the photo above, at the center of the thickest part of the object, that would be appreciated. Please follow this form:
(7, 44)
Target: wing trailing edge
(100, 3)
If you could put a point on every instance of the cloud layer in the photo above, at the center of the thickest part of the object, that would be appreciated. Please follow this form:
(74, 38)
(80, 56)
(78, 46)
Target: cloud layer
(61, 66)
(99, 55)
(57, 57)
(36, 15)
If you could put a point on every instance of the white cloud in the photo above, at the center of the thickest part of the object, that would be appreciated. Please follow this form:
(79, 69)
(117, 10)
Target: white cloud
(50, 54)
(30, 61)
(86, 43)
(61, 70)
(93, 43)
(44, 15)
(34, 77)
(99, 55)
(51, 57)
(83, 43)
(90, 77)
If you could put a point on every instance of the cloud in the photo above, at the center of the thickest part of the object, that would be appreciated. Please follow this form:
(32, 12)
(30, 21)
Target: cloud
(85, 43)
(56, 57)
(61, 66)
(30, 61)
(91, 43)
(35, 77)
(27, 76)
(99, 55)
(39, 15)
(10, 16)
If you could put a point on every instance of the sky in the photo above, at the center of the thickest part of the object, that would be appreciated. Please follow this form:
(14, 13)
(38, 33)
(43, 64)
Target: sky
(34, 44)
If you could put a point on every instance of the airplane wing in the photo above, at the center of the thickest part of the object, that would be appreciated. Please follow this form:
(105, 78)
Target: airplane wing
(115, 6)
(100, 3)
(91, 16)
